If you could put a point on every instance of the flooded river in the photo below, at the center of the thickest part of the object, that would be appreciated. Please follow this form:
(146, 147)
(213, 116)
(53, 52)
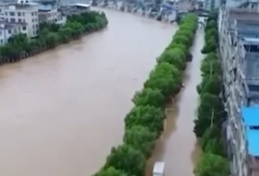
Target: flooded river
(62, 111)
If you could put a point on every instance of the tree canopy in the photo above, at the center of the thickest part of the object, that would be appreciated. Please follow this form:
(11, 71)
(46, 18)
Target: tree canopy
(211, 113)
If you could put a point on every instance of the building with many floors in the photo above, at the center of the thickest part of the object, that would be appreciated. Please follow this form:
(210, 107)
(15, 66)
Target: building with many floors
(48, 12)
(74, 9)
(22, 12)
(25, 16)
(239, 52)
(8, 29)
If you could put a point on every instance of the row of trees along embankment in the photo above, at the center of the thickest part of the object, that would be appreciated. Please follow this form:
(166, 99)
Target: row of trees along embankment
(51, 35)
(144, 123)
(211, 114)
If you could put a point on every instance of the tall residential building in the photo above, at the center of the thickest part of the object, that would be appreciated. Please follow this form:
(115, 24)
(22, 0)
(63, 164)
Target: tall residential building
(48, 12)
(239, 52)
(22, 12)
(9, 29)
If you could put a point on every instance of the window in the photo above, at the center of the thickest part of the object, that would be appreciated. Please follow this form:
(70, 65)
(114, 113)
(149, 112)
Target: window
(23, 14)
(2, 41)
(23, 20)
(32, 20)
(19, 20)
(235, 73)
(9, 31)
(19, 14)
(12, 13)
(32, 13)
(12, 20)
(6, 14)
(24, 28)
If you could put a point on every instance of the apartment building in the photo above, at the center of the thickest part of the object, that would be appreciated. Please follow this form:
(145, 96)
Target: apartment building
(48, 12)
(22, 12)
(74, 9)
(239, 51)
(9, 29)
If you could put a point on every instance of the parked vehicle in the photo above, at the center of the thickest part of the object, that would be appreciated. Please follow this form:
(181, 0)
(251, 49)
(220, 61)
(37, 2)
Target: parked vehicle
(159, 169)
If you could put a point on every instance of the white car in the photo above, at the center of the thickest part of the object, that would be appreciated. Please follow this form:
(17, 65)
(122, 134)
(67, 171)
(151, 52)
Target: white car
(159, 169)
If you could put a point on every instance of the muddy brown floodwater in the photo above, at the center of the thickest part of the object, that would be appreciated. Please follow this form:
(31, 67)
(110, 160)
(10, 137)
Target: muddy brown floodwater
(63, 110)
(178, 147)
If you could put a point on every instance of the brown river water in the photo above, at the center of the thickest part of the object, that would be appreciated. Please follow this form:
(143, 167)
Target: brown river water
(63, 110)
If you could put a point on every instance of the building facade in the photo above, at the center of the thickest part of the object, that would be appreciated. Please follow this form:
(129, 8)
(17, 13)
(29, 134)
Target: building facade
(23, 12)
(239, 52)
(7, 30)
(212, 4)
(48, 12)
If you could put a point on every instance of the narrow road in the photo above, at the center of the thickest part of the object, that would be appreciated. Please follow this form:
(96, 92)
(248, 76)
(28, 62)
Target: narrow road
(178, 146)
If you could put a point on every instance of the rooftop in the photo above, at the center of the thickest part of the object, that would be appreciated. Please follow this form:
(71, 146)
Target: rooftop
(159, 168)
(81, 5)
(251, 121)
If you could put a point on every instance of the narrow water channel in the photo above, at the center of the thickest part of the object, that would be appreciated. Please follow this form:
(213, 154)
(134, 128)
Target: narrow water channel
(63, 110)
(178, 147)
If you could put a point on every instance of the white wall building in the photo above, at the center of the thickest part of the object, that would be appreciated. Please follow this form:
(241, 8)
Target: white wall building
(48, 12)
(23, 12)
(9, 29)
(239, 53)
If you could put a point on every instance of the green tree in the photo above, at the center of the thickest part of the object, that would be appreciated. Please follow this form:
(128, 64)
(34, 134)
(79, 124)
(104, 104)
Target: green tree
(166, 78)
(212, 165)
(110, 171)
(148, 116)
(140, 138)
(174, 56)
(210, 65)
(212, 141)
(210, 84)
(148, 96)
(210, 112)
(182, 39)
(211, 45)
(126, 159)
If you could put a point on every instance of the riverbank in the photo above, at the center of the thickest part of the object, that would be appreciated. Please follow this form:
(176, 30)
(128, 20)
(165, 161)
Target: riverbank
(51, 35)
(211, 115)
